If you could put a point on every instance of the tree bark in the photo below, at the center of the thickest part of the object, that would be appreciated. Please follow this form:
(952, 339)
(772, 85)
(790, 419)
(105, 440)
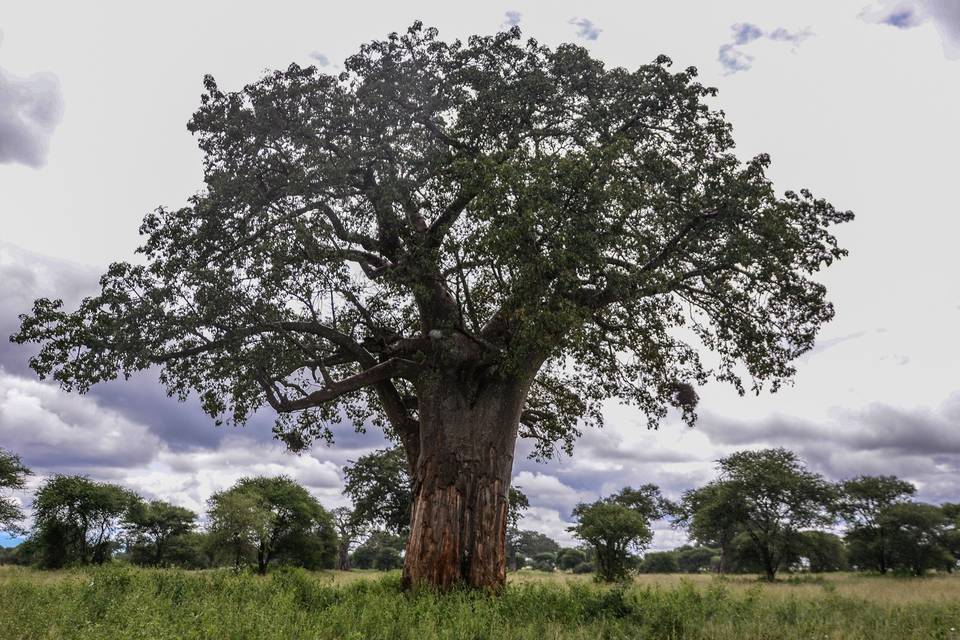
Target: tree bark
(461, 480)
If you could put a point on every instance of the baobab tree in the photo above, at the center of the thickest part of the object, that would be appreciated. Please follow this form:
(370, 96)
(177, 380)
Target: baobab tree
(459, 242)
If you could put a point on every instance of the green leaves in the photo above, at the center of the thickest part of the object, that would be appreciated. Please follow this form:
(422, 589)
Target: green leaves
(618, 525)
(547, 216)
(13, 476)
(767, 497)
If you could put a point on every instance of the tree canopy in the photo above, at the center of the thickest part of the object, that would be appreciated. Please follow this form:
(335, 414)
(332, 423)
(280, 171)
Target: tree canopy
(618, 526)
(862, 502)
(155, 527)
(765, 497)
(78, 520)
(13, 476)
(493, 200)
(378, 485)
(270, 518)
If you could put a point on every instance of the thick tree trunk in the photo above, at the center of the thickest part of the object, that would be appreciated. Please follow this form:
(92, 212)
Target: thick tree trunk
(468, 432)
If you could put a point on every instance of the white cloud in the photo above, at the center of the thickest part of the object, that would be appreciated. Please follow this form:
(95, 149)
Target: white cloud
(60, 431)
(907, 14)
(30, 108)
(546, 490)
(585, 28)
(734, 58)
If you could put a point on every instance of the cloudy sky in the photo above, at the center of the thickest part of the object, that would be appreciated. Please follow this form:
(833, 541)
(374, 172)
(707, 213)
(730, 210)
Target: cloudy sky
(859, 101)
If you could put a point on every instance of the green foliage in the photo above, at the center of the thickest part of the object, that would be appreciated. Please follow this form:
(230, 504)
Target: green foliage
(617, 526)
(918, 537)
(524, 544)
(13, 476)
(378, 485)
(685, 559)
(659, 562)
(697, 559)
(712, 517)
(123, 602)
(823, 551)
(517, 503)
(272, 519)
(493, 203)
(568, 558)
(381, 550)
(78, 520)
(544, 561)
(156, 531)
(764, 498)
(862, 500)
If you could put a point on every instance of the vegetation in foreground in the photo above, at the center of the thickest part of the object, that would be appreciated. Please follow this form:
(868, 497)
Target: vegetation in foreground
(117, 601)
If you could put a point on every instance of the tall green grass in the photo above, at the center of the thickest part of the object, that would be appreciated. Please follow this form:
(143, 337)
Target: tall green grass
(124, 602)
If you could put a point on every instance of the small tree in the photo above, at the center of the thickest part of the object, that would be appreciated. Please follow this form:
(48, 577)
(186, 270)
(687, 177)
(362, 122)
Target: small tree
(862, 500)
(378, 551)
(518, 504)
(154, 529)
(711, 515)
(697, 559)
(349, 530)
(568, 558)
(544, 561)
(78, 520)
(466, 242)
(951, 510)
(13, 476)
(823, 551)
(526, 543)
(618, 525)
(771, 497)
(659, 562)
(238, 520)
(918, 537)
(378, 485)
(273, 518)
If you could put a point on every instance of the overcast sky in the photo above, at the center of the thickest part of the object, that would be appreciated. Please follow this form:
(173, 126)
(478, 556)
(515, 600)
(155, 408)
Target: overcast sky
(858, 101)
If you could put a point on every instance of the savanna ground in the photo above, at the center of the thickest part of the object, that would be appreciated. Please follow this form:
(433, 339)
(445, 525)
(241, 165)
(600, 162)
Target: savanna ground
(124, 602)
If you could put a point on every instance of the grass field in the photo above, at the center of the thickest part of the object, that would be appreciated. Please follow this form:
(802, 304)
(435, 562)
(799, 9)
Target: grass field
(124, 602)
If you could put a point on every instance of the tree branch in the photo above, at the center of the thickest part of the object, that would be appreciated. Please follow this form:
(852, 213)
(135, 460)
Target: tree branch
(392, 368)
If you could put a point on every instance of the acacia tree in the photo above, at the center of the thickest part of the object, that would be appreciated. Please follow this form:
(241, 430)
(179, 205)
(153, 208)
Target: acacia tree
(78, 520)
(460, 241)
(378, 485)
(919, 537)
(155, 527)
(618, 525)
(712, 516)
(13, 475)
(862, 501)
(274, 518)
(774, 498)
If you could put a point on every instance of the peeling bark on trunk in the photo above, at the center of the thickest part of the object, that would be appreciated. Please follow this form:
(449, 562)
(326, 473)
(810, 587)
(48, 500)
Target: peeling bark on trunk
(461, 482)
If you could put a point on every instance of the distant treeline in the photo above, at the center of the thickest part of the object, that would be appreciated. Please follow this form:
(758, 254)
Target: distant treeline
(765, 512)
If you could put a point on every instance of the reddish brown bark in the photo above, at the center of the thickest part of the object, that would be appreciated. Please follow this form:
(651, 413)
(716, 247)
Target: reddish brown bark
(461, 483)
